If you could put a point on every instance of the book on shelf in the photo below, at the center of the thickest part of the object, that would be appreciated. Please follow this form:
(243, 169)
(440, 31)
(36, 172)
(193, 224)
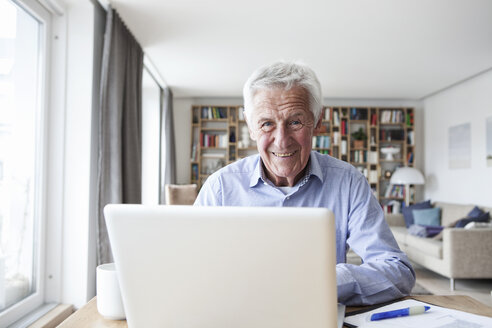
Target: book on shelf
(396, 191)
(336, 138)
(410, 138)
(321, 142)
(387, 191)
(372, 157)
(374, 119)
(327, 114)
(410, 157)
(392, 207)
(359, 156)
(194, 151)
(194, 172)
(344, 147)
(392, 116)
(324, 151)
(336, 118)
(343, 127)
(373, 176)
(213, 140)
(396, 207)
(409, 118)
(214, 112)
(325, 142)
(240, 113)
(387, 209)
(358, 113)
(354, 114)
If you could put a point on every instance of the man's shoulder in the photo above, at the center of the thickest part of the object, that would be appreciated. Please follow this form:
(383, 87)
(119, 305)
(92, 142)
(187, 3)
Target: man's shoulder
(329, 162)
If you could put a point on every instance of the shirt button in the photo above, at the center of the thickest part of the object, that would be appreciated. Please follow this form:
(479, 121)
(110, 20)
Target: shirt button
(288, 197)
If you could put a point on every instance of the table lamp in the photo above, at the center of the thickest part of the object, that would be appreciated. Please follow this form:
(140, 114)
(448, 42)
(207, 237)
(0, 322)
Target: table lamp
(407, 176)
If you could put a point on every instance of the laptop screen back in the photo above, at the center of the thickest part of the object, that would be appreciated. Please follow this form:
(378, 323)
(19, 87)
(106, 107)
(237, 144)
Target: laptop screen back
(185, 266)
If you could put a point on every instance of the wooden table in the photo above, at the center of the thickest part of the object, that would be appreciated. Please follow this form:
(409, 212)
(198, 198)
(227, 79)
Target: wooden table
(87, 316)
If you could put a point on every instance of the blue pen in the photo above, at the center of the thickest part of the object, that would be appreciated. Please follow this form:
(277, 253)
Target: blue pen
(400, 313)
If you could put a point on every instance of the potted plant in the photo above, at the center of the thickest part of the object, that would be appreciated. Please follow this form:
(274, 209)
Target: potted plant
(359, 137)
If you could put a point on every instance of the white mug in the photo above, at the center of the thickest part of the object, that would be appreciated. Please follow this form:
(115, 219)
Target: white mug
(109, 303)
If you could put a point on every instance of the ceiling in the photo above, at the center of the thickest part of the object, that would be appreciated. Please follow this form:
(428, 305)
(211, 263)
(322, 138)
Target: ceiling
(391, 49)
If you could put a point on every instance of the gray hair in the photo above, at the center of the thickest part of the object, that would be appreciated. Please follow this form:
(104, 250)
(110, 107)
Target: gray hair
(285, 75)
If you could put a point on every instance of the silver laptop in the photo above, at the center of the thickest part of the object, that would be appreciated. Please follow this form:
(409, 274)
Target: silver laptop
(214, 267)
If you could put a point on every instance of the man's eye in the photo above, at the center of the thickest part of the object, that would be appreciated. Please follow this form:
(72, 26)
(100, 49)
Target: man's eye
(295, 125)
(267, 126)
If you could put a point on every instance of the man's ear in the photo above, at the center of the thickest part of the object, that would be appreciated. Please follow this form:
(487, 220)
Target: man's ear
(317, 128)
(252, 135)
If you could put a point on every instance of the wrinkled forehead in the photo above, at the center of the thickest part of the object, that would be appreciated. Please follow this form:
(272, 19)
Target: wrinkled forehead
(278, 100)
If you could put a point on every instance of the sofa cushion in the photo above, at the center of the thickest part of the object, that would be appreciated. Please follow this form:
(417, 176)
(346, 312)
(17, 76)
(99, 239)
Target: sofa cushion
(424, 231)
(427, 217)
(484, 217)
(407, 211)
(417, 230)
(479, 225)
(427, 246)
(475, 212)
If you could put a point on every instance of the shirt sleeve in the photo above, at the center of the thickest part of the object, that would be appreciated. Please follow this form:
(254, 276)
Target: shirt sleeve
(385, 273)
(210, 193)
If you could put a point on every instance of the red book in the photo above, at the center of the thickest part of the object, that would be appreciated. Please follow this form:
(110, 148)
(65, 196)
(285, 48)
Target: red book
(374, 119)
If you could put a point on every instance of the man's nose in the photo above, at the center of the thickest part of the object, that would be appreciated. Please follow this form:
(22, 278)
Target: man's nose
(282, 136)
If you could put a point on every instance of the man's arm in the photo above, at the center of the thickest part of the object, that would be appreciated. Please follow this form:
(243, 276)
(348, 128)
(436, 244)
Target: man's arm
(385, 273)
(210, 193)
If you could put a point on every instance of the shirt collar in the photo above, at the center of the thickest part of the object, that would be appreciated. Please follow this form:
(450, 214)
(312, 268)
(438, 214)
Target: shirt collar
(313, 169)
(257, 173)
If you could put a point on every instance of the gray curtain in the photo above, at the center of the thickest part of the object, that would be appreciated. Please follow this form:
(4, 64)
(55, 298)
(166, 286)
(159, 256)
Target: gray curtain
(120, 136)
(168, 159)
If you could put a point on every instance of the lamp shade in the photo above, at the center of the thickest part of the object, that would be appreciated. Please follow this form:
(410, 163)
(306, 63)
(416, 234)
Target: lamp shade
(407, 176)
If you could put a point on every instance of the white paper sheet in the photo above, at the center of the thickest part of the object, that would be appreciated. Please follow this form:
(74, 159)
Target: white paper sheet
(436, 317)
(341, 315)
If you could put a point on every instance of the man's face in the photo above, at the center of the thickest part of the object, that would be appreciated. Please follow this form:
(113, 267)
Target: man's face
(283, 126)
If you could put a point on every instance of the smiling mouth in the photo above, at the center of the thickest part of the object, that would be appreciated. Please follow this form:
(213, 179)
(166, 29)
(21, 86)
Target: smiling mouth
(283, 154)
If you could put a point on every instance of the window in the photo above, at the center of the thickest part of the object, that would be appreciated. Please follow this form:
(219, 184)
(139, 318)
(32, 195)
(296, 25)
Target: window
(23, 36)
(151, 124)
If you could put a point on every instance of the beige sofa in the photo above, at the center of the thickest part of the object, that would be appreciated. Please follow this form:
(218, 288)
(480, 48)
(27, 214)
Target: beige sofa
(462, 253)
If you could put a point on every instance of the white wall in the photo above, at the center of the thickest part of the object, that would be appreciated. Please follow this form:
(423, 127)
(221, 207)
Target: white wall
(75, 256)
(467, 102)
(151, 121)
(182, 121)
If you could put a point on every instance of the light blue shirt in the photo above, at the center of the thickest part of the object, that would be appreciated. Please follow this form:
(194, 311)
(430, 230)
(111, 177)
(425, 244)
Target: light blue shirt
(385, 273)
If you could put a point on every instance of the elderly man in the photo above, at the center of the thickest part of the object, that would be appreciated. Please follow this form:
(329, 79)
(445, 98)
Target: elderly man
(283, 111)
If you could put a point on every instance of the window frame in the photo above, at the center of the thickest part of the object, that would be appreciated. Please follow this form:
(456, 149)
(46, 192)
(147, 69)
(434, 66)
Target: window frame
(43, 157)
